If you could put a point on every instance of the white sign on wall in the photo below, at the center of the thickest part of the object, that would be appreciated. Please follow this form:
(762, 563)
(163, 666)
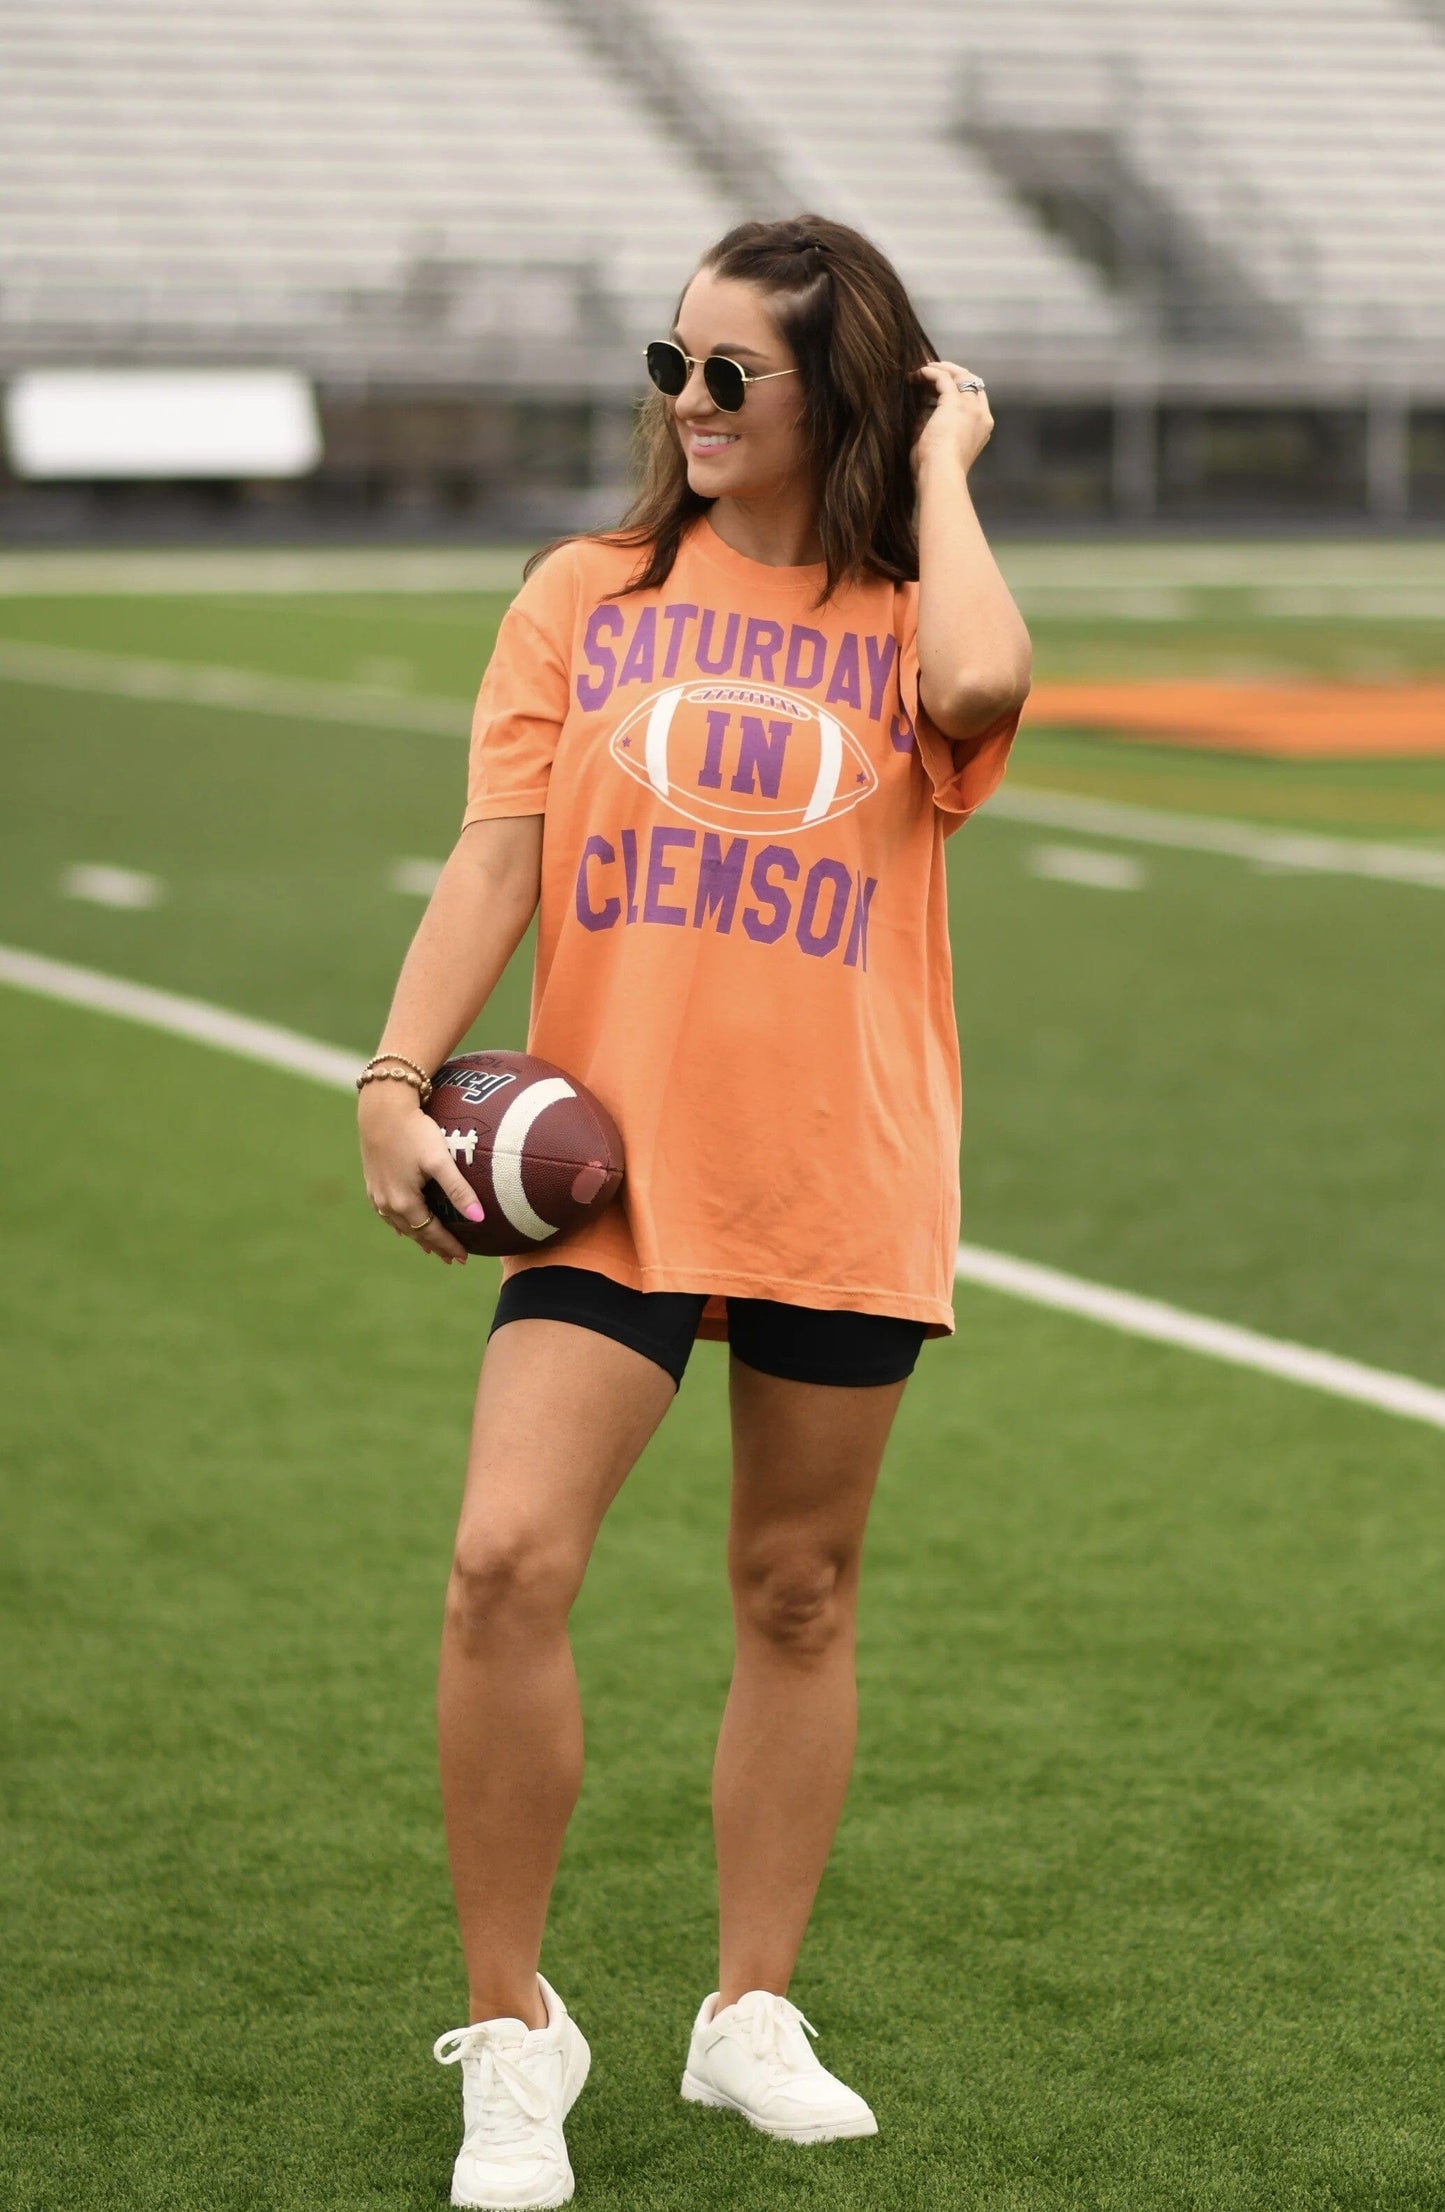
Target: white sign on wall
(161, 423)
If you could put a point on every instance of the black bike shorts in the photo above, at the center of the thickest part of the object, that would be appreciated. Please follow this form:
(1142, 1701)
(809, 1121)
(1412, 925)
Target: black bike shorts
(800, 1343)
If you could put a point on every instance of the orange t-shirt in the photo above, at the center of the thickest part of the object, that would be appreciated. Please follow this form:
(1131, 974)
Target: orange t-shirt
(742, 935)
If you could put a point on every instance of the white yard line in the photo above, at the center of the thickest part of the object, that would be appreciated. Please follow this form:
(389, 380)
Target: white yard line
(299, 697)
(1195, 1332)
(1085, 864)
(1044, 1286)
(302, 698)
(183, 1017)
(417, 878)
(1303, 851)
(204, 570)
(1143, 579)
(106, 886)
(1105, 601)
(1345, 564)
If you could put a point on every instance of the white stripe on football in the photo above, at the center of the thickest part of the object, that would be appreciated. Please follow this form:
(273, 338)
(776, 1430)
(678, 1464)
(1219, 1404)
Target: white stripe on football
(508, 1147)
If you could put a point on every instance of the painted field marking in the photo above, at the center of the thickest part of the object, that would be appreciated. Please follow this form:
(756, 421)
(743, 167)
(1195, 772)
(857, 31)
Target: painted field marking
(1232, 562)
(1085, 864)
(49, 572)
(1349, 577)
(1195, 1332)
(1302, 851)
(1094, 602)
(301, 698)
(417, 878)
(385, 672)
(1364, 603)
(273, 1046)
(265, 1042)
(111, 886)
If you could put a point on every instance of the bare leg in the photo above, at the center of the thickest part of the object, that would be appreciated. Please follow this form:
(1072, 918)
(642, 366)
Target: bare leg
(562, 1413)
(805, 1461)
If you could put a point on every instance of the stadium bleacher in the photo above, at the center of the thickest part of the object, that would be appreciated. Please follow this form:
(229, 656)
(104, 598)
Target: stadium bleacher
(1092, 200)
(1304, 138)
(857, 104)
(277, 164)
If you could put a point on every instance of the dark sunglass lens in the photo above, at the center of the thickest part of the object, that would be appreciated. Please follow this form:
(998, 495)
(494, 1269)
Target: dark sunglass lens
(724, 380)
(667, 366)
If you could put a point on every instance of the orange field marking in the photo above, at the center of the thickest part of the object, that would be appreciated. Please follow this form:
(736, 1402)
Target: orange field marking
(1293, 721)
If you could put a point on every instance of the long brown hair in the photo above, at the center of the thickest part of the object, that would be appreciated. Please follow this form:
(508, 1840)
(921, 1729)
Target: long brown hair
(841, 306)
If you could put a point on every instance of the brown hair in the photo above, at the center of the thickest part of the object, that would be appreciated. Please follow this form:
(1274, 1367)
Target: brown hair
(841, 306)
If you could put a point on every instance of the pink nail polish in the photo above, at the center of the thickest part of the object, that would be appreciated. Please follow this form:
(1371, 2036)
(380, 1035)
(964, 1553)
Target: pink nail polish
(474, 1212)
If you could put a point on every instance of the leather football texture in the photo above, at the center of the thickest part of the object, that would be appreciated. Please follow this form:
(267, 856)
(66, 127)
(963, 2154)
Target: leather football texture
(540, 1150)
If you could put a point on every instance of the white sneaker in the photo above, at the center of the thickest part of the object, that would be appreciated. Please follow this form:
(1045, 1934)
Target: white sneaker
(752, 2057)
(518, 2085)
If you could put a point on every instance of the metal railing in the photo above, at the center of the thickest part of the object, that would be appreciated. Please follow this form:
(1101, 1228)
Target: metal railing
(443, 319)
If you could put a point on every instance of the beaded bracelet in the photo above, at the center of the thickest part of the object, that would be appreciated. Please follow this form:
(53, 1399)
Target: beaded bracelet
(419, 1083)
(378, 1057)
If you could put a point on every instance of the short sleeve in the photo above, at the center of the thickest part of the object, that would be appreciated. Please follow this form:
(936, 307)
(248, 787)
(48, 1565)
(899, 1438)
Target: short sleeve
(963, 771)
(523, 700)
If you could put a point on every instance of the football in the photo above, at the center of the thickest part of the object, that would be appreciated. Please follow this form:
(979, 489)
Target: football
(543, 1155)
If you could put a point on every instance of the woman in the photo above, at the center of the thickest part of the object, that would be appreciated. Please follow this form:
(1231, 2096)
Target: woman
(747, 718)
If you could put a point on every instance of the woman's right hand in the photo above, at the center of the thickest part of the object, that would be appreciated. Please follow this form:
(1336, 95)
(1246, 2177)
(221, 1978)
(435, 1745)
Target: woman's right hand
(474, 921)
(402, 1148)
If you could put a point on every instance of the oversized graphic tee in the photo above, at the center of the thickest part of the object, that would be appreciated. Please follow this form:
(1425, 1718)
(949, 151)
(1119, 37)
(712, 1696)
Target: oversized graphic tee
(742, 937)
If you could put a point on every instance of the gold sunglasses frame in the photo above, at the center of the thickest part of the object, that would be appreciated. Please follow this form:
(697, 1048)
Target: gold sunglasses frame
(693, 361)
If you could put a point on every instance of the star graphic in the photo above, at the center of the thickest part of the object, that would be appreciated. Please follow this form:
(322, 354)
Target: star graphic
(626, 743)
(860, 777)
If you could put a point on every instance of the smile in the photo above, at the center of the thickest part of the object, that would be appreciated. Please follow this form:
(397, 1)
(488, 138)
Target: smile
(710, 441)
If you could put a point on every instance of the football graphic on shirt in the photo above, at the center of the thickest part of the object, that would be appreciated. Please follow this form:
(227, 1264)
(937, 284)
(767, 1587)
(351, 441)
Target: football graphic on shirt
(541, 1152)
(743, 757)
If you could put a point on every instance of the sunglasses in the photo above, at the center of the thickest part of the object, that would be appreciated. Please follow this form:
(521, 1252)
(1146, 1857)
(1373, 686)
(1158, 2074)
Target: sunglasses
(727, 381)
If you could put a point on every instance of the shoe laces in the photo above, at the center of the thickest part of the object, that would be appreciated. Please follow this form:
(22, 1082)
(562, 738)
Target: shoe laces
(769, 2018)
(507, 2098)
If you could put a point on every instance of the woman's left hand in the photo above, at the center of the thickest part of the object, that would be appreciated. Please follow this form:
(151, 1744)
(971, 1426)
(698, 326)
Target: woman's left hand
(959, 425)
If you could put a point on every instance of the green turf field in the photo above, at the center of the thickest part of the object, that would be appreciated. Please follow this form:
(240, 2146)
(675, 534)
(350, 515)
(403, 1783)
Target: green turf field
(1136, 1901)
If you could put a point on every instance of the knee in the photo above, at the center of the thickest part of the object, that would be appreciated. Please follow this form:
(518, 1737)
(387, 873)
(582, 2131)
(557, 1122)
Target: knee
(802, 1602)
(506, 1579)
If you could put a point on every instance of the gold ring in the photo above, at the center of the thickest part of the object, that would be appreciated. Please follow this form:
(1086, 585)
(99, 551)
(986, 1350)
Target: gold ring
(411, 1227)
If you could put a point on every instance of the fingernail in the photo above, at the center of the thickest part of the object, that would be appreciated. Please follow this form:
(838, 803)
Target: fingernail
(474, 1212)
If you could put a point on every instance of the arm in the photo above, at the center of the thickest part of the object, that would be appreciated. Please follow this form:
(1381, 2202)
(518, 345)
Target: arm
(474, 921)
(974, 655)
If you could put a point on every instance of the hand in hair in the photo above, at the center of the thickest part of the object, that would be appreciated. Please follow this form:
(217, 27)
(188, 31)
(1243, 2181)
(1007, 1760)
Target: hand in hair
(957, 427)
